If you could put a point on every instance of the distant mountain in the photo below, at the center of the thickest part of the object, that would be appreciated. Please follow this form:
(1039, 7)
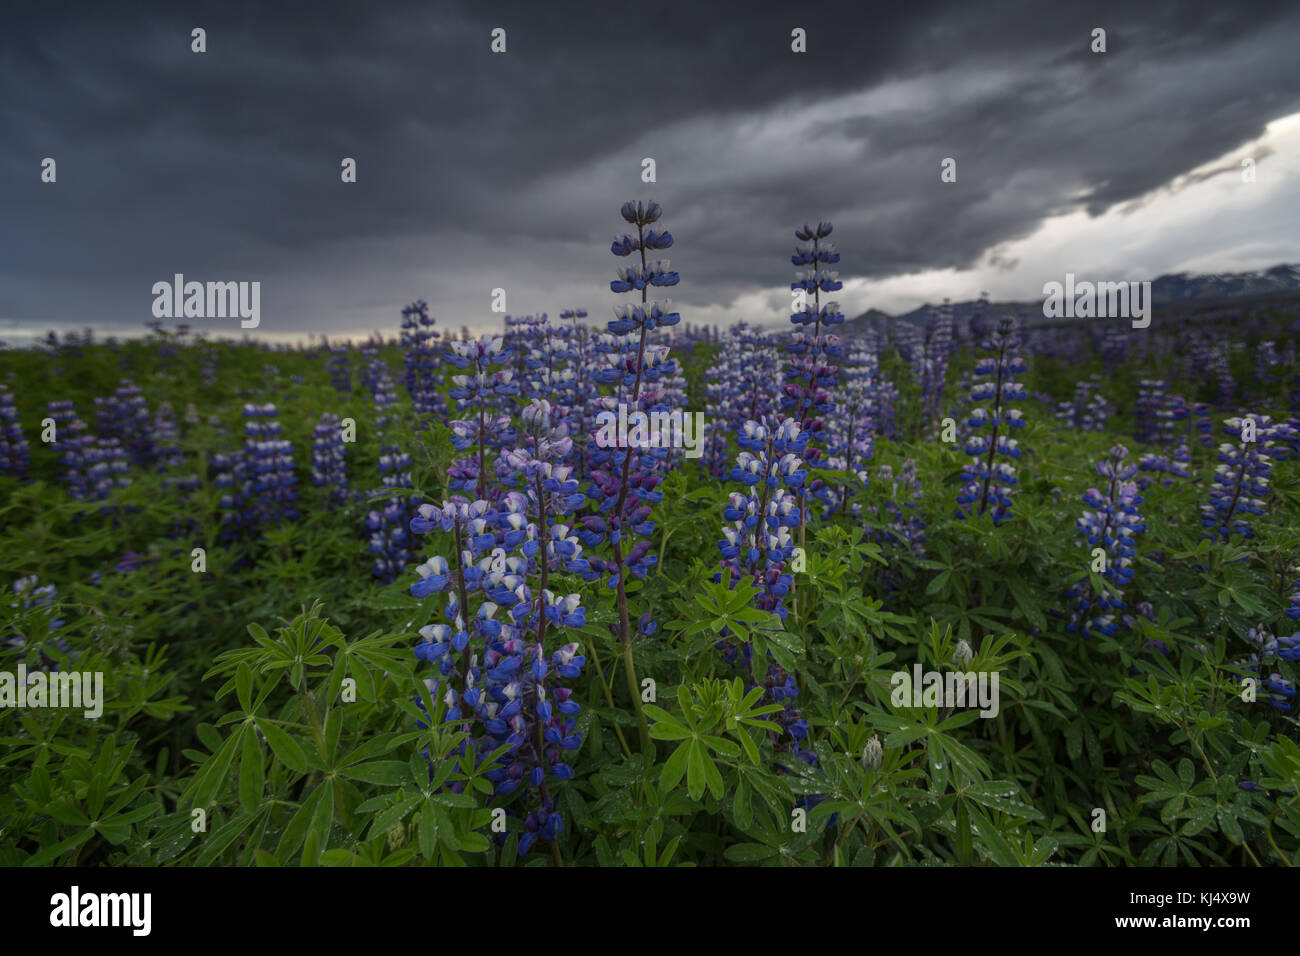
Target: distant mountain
(1183, 286)
(1179, 287)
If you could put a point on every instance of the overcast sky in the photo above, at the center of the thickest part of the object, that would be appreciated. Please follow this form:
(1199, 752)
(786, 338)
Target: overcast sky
(479, 170)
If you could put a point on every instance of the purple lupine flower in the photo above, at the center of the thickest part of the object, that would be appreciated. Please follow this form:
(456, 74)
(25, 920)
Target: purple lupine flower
(261, 477)
(575, 389)
(96, 467)
(851, 430)
(329, 470)
(932, 360)
(1112, 525)
(482, 393)
(494, 669)
(905, 528)
(340, 371)
(423, 363)
(388, 524)
(1088, 410)
(1114, 344)
(1156, 413)
(757, 545)
(378, 380)
(15, 456)
(624, 479)
(1270, 651)
(1241, 479)
(124, 415)
(811, 376)
(741, 385)
(33, 622)
(987, 481)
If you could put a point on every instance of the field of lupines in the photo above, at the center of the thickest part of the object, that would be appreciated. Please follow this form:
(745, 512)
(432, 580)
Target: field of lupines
(419, 602)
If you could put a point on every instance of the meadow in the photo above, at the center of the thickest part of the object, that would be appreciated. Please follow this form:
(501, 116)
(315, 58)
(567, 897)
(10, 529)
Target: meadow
(973, 592)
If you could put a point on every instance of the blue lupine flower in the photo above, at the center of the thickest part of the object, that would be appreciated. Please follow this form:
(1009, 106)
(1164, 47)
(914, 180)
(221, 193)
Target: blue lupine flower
(742, 385)
(1089, 410)
(423, 363)
(905, 528)
(987, 482)
(328, 460)
(1241, 480)
(1112, 525)
(33, 610)
(125, 416)
(811, 376)
(501, 615)
(261, 477)
(15, 456)
(756, 545)
(482, 392)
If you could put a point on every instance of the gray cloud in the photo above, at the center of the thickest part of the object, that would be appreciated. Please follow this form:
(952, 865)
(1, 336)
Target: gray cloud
(477, 171)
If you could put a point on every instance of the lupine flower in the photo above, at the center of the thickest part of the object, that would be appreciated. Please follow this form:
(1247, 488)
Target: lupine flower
(1113, 525)
(1157, 413)
(481, 392)
(1241, 480)
(624, 480)
(740, 385)
(811, 377)
(423, 363)
(376, 379)
(757, 545)
(492, 657)
(388, 525)
(1088, 410)
(340, 371)
(987, 481)
(1174, 466)
(1225, 387)
(574, 391)
(329, 470)
(905, 528)
(1114, 343)
(262, 480)
(1269, 651)
(931, 360)
(125, 416)
(92, 467)
(851, 430)
(33, 606)
(15, 456)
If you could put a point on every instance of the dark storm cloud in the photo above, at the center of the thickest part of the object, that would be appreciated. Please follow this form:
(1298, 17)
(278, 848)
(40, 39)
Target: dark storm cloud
(477, 170)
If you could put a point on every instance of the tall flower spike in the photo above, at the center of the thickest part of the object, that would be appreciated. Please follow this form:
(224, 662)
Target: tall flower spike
(1113, 526)
(757, 545)
(811, 376)
(423, 363)
(328, 461)
(934, 360)
(1241, 480)
(987, 482)
(625, 479)
(501, 657)
(14, 453)
(484, 394)
(741, 386)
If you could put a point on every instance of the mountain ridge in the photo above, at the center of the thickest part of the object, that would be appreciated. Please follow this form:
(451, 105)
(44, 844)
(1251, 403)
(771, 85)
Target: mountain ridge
(1176, 287)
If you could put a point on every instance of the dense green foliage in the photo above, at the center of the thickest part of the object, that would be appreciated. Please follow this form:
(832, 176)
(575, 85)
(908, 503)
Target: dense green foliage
(228, 690)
